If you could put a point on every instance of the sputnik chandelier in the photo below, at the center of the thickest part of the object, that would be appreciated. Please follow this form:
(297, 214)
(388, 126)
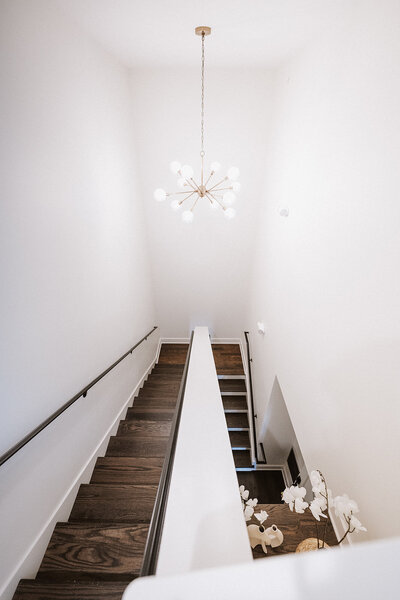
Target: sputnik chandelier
(220, 194)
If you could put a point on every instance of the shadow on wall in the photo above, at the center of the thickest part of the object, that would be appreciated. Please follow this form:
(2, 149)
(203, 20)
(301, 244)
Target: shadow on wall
(279, 437)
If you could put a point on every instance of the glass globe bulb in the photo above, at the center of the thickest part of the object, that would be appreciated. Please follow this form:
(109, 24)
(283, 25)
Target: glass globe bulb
(175, 166)
(175, 205)
(229, 198)
(214, 205)
(187, 216)
(236, 186)
(215, 166)
(160, 194)
(230, 213)
(187, 171)
(181, 182)
(233, 173)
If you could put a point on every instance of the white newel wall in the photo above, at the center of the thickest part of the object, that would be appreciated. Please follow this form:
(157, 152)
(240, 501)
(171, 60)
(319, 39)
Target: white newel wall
(75, 285)
(325, 281)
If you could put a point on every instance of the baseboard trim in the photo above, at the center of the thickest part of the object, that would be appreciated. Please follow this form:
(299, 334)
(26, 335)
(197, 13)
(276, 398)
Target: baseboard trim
(27, 563)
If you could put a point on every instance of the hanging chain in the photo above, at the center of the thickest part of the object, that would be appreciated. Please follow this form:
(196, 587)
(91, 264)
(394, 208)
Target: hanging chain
(202, 94)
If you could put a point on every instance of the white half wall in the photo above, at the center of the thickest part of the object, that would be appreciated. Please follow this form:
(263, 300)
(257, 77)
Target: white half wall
(75, 280)
(326, 280)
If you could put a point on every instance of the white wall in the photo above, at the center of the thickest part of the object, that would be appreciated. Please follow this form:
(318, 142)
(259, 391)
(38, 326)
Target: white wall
(326, 278)
(201, 270)
(75, 282)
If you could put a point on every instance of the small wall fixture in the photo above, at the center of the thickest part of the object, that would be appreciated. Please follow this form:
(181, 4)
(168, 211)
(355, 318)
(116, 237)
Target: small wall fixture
(260, 327)
(284, 212)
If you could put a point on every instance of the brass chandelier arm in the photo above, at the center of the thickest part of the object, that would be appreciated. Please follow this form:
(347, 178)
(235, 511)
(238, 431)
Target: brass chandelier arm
(222, 189)
(217, 184)
(208, 194)
(211, 174)
(195, 202)
(187, 192)
(187, 198)
(197, 187)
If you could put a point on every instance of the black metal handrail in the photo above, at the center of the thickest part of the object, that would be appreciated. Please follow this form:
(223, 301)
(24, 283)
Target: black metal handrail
(4, 457)
(157, 519)
(253, 415)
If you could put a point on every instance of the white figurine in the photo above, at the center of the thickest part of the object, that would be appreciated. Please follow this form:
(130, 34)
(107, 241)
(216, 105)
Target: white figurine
(272, 536)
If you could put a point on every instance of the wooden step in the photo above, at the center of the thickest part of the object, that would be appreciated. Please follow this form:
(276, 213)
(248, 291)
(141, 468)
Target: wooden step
(94, 551)
(232, 385)
(134, 445)
(160, 377)
(121, 503)
(228, 359)
(169, 370)
(143, 412)
(144, 401)
(239, 439)
(145, 427)
(237, 420)
(127, 470)
(242, 458)
(148, 392)
(234, 402)
(173, 354)
(162, 384)
(29, 589)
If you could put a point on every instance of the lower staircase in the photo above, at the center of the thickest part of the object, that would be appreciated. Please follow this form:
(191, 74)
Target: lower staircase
(100, 549)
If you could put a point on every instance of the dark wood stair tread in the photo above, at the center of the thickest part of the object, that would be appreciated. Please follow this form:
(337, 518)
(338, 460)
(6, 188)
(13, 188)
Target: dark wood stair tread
(82, 550)
(239, 439)
(237, 420)
(151, 413)
(145, 427)
(173, 354)
(234, 402)
(127, 470)
(242, 458)
(232, 385)
(228, 359)
(29, 589)
(135, 445)
(155, 400)
(121, 503)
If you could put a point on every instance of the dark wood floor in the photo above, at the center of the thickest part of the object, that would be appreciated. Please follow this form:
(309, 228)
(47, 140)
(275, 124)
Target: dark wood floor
(100, 549)
(295, 528)
(266, 486)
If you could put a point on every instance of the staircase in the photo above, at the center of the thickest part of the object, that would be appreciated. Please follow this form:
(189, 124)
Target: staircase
(232, 384)
(100, 549)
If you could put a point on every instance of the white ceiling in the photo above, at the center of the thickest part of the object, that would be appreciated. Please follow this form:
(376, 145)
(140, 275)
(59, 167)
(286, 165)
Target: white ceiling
(245, 32)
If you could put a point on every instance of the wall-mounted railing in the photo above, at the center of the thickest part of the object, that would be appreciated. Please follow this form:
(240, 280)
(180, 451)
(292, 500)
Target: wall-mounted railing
(253, 413)
(152, 549)
(82, 393)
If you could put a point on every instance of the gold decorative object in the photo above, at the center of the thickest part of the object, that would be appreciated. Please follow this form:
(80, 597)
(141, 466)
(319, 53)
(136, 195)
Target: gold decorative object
(310, 544)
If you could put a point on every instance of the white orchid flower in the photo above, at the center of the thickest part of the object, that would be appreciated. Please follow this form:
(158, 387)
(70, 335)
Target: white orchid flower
(344, 506)
(316, 509)
(248, 512)
(356, 525)
(252, 503)
(294, 496)
(300, 505)
(288, 497)
(315, 478)
(261, 516)
(244, 493)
